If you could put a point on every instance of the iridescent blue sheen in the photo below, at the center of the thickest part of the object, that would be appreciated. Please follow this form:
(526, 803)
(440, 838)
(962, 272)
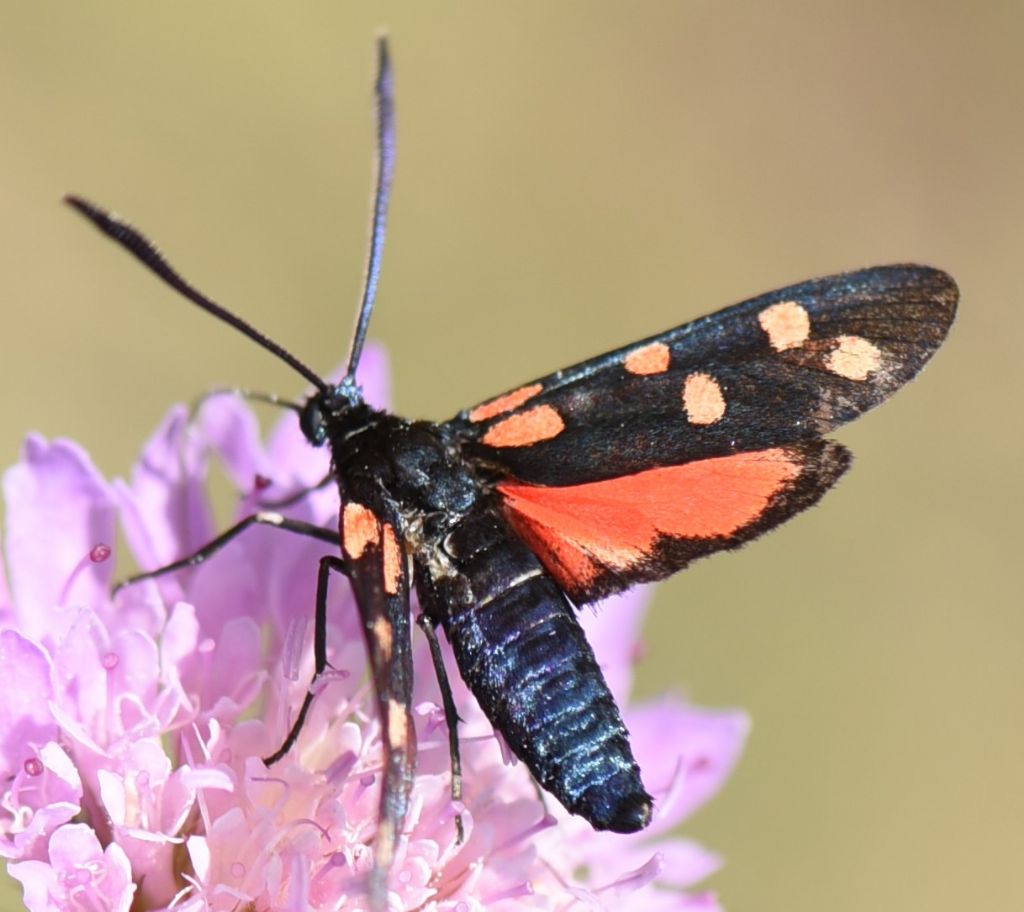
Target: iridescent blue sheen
(522, 652)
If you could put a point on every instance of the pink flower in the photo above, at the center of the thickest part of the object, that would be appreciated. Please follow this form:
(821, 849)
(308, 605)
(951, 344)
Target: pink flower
(131, 729)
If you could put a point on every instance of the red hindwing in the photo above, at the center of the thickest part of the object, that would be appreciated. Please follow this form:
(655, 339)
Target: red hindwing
(603, 536)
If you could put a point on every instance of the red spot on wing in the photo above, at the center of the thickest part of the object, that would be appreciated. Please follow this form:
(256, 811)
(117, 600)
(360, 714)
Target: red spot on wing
(359, 529)
(650, 359)
(392, 561)
(580, 530)
(505, 403)
(702, 399)
(541, 422)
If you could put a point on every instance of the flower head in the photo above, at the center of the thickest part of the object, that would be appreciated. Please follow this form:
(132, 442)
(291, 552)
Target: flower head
(131, 728)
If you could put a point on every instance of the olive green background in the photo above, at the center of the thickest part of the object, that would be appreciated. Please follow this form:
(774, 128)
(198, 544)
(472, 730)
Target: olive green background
(572, 176)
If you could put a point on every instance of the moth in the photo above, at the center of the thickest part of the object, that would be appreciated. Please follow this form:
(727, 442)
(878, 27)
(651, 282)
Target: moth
(507, 518)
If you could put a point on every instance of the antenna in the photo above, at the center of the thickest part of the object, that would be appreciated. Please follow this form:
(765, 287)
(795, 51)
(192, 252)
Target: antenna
(145, 251)
(385, 169)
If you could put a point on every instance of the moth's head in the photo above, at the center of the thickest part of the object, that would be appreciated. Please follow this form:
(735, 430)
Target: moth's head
(336, 407)
(312, 423)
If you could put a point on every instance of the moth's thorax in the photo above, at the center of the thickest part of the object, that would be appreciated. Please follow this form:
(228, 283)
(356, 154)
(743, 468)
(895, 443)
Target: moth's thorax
(412, 463)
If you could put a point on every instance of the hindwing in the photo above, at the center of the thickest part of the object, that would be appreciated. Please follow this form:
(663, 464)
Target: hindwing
(601, 537)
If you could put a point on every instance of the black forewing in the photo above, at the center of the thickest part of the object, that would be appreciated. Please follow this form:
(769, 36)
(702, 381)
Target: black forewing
(616, 422)
(373, 558)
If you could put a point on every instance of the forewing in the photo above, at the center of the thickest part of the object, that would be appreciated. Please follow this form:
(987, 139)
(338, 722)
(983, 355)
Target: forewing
(782, 368)
(375, 563)
(601, 537)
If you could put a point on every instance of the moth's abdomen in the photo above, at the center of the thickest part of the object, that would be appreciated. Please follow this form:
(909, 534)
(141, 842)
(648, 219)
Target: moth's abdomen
(523, 654)
(525, 657)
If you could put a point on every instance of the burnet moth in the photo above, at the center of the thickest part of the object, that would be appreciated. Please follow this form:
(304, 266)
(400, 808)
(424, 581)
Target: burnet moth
(616, 471)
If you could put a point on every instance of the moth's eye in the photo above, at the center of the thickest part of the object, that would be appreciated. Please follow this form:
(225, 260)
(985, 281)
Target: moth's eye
(312, 424)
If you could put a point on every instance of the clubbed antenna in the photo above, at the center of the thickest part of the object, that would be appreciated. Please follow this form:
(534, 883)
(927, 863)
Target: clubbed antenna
(146, 252)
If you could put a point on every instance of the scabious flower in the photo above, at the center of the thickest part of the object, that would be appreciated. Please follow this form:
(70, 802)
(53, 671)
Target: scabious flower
(131, 728)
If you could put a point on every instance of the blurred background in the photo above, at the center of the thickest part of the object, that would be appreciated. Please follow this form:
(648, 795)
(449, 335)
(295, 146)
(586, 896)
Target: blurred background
(570, 177)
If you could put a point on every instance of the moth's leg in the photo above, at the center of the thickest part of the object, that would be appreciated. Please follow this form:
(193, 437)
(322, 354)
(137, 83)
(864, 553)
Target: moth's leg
(451, 716)
(327, 564)
(265, 518)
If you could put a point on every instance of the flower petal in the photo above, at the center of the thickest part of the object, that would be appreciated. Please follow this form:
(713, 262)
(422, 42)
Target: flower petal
(229, 426)
(686, 862)
(703, 752)
(80, 874)
(5, 595)
(613, 627)
(25, 720)
(59, 508)
(165, 511)
(374, 376)
(49, 794)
